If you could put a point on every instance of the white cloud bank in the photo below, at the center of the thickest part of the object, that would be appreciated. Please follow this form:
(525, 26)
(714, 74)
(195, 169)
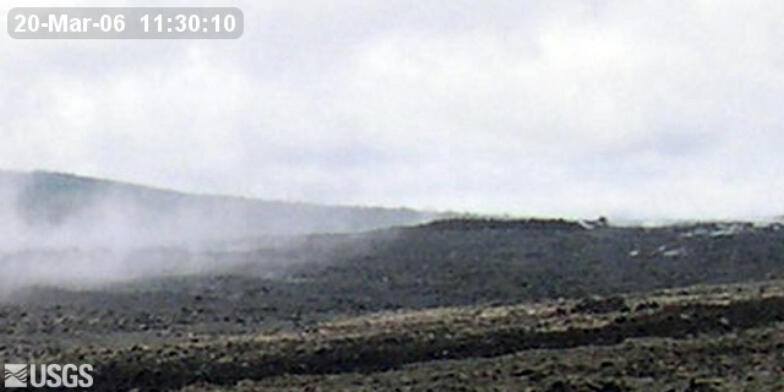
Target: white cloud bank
(578, 108)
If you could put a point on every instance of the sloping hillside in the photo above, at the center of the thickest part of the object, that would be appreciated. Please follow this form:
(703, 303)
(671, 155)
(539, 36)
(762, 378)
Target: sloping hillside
(40, 207)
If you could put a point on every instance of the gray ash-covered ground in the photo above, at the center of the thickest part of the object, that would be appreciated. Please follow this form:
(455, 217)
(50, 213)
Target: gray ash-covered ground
(299, 286)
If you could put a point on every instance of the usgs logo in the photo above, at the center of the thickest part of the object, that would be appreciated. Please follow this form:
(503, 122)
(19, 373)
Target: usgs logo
(50, 376)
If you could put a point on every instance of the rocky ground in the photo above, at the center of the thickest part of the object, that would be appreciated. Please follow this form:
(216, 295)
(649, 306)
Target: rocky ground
(456, 305)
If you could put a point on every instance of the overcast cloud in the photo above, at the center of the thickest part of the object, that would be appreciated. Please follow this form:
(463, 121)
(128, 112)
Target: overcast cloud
(650, 109)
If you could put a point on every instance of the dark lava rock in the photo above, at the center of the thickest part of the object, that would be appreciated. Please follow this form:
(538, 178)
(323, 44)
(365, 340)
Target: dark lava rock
(598, 305)
(560, 386)
(646, 306)
(702, 385)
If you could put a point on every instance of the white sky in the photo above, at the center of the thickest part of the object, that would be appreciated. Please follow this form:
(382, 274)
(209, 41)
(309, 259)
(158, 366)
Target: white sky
(648, 109)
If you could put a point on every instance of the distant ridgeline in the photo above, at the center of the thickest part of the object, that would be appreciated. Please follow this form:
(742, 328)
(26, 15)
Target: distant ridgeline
(51, 198)
(532, 224)
(44, 199)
